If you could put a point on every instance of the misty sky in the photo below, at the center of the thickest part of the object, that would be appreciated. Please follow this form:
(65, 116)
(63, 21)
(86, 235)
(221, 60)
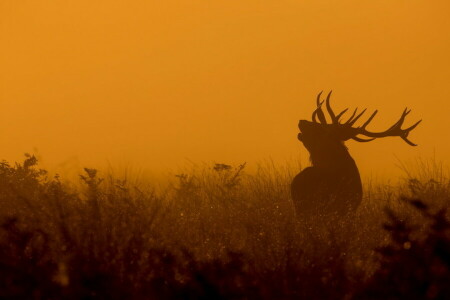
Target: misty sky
(157, 83)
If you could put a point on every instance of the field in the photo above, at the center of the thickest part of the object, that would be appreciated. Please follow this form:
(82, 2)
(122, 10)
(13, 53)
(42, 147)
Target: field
(218, 232)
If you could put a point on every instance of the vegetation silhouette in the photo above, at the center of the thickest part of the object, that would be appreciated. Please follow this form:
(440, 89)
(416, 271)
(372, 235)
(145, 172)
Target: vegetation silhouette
(216, 233)
(332, 185)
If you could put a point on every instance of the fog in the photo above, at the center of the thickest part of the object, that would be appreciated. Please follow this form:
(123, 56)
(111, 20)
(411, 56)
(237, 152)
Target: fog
(156, 85)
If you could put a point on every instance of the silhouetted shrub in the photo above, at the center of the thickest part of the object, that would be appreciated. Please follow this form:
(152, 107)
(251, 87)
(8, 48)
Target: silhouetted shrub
(217, 233)
(416, 263)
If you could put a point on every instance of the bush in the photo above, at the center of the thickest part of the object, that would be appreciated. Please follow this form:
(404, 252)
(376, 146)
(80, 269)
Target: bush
(215, 233)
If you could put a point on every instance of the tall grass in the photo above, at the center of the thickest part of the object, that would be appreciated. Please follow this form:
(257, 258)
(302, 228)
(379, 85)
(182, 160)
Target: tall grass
(217, 232)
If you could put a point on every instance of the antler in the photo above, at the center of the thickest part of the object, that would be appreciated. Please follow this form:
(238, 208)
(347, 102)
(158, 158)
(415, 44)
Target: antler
(352, 132)
(318, 112)
(394, 130)
(334, 118)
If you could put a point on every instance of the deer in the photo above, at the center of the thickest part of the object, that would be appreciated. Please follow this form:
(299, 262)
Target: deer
(332, 184)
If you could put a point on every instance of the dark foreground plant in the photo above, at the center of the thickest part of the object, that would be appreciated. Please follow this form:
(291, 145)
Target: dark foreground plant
(217, 235)
(416, 262)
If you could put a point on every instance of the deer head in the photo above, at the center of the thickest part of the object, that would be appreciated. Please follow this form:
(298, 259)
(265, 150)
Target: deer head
(319, 135)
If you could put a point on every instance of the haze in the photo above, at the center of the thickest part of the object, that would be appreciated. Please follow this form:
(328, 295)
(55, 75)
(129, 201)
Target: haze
(157, 83)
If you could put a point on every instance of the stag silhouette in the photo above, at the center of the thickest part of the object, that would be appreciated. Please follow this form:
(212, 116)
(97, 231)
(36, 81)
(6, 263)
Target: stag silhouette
(332, 185)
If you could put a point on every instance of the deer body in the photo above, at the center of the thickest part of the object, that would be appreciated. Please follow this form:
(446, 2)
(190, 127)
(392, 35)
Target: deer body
(332, 185)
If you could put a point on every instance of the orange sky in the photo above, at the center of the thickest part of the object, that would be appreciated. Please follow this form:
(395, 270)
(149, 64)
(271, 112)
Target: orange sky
(153, 83)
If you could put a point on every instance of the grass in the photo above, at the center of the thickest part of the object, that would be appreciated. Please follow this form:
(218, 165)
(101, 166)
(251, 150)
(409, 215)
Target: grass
(217, 232)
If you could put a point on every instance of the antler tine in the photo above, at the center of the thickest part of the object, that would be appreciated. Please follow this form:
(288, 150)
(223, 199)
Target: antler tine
(318, 99)
(369, 120)
(319, 111)
(351, 117)
(330, 110)
(314, 114)
(340, 114)
(413, 126)
(315, 111)
(407, 131)
(357, 117)
(400, 121)
(362, 140)
(408, 141)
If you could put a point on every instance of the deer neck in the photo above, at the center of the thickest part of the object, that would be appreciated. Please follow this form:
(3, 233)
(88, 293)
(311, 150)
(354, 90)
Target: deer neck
(334, 160)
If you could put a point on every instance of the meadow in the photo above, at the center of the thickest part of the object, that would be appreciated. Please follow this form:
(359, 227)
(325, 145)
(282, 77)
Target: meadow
(218, 232)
